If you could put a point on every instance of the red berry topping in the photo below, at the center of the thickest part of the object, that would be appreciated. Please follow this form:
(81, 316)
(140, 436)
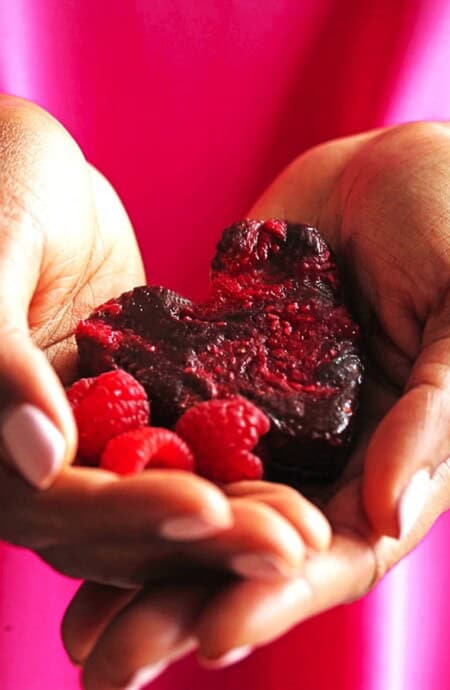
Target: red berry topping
(104, 407)
(222, 433)
(134, 451)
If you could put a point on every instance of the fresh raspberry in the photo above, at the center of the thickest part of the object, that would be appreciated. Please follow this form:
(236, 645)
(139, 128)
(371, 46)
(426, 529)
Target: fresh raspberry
(134, 451)
(221, 433)
(104, 407)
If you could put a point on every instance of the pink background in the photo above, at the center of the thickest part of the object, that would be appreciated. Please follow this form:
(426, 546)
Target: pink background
(190, 108)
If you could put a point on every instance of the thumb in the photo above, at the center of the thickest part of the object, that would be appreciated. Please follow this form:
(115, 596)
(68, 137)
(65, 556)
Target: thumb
(37, 429)
(409, 444)
(46, 217)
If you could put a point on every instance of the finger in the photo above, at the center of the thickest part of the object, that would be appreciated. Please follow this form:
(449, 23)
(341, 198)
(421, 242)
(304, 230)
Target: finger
(304, 516)
(253, 613)
(91, 515)
(145, 636)
(250, 613)
(178, 506)
(261, 543)
(88, 614)
(87, 505)
(409, 444)
(45, 186)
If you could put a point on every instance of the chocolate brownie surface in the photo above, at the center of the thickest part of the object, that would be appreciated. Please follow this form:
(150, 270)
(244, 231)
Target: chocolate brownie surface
(275, 329)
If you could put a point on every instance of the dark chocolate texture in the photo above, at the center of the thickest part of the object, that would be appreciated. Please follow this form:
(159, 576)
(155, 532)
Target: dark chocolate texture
(274, 329)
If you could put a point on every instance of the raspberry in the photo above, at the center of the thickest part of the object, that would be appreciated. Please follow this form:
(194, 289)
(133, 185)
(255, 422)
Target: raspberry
(104, 407)
(221, 433)
(134, 451)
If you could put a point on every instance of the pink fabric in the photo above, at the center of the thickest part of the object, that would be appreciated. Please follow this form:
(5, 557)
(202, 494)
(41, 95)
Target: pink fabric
(190, 108)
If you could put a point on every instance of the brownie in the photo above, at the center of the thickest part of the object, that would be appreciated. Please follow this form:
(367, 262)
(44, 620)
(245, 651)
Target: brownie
(275, 329)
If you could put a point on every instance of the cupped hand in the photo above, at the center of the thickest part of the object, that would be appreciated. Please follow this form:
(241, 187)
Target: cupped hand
(382, 200)
(66, 245)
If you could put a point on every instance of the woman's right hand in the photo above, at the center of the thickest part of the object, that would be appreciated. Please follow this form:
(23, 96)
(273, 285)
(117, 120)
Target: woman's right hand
(66, 245)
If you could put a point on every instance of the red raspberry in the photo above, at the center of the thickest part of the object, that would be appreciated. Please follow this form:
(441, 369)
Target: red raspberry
(133, 451)
(221, 433)
(104, 407)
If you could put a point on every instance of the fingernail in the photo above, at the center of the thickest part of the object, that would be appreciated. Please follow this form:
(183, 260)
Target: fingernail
(146, 675)
(34, 444)
(256, 565)
(184, 649)
(412, 501)
(232, 657)
(187, 529)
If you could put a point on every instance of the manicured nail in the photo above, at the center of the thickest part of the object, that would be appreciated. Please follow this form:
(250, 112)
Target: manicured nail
(34, 444)
(412, 501)
(146, 675)
(262, 566)
(228, 659)
(187, 529)
(184, 649)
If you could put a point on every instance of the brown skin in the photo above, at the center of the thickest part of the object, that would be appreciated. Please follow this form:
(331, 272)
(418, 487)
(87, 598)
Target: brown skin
(66, 245)
(382, 200)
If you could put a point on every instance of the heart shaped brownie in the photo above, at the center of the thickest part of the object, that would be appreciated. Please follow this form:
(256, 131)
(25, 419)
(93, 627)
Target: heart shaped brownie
(274, 329)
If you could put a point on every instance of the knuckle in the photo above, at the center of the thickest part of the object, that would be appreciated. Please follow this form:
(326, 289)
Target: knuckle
(35, 150)
(285, 492)
(22, 121)
(44, 178)
(376, 566)
(381, 568)
(401, 173)
(400, 154)
(420, 131)
(10, 333)
(413, 141)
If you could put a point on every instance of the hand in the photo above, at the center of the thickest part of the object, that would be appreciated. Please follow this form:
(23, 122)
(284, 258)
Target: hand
(382, 201)
(114, 631)
(66, 245)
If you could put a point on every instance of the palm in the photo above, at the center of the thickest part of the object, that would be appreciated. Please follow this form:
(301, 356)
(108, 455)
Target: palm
(103, 263)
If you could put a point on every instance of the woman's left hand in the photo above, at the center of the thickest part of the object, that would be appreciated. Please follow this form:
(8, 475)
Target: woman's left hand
(382, 201)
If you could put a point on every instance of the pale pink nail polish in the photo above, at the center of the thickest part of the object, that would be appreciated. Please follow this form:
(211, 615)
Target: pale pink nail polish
(149, 673)
(232, 657)
(34, 445)
(261, 566)
(146, 675)
(187, 529)
(188, 646)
